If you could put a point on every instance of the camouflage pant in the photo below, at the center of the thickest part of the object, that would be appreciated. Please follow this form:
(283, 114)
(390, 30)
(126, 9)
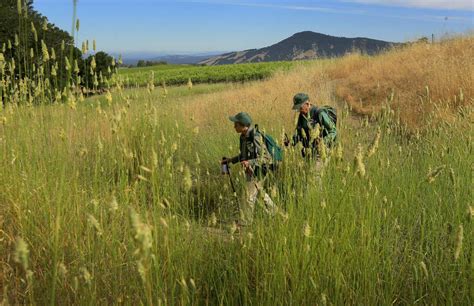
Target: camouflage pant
(254, 188)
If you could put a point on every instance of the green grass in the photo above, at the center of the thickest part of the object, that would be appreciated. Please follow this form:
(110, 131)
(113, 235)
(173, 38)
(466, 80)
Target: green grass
(101, 196)
(118, 199)
(180, 74)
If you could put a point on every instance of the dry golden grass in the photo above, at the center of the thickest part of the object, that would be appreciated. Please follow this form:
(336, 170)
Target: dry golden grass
(426, 83)
(268, 102)
(419, 80)
(109, 204)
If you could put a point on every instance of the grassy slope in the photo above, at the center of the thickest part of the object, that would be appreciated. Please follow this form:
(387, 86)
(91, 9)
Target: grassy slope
(426, 83)
(113, 203)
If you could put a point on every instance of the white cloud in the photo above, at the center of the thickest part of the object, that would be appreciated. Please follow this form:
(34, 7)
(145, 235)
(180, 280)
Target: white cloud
(433, 4)
(295, 7)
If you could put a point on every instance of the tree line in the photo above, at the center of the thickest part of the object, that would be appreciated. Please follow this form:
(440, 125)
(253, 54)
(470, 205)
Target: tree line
(30, 44)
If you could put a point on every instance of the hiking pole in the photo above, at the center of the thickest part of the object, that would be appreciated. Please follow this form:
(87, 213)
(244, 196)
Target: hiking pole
(226, 170)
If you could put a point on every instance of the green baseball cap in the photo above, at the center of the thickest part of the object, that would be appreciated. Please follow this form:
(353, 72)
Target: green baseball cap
(299, 99)
(242, 118)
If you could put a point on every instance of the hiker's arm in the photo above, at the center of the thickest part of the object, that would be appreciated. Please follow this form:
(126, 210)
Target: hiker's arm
(330, 127)
(302, 135)
(234, 159)
(263, 156)
(297, 136)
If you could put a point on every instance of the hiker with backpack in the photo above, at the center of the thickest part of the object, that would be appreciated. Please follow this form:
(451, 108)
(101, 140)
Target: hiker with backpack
(315, 128)
(258, 155)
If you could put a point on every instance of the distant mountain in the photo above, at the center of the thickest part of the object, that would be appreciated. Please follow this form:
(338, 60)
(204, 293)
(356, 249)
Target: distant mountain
(132, 58)
(302, 46)
(182, 59)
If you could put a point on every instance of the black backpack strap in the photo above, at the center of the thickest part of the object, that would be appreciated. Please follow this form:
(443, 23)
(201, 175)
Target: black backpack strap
(252, 134)
(318, 113)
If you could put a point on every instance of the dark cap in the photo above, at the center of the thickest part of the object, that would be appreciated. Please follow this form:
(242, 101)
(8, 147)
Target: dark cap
(242, 118)
(299, 99)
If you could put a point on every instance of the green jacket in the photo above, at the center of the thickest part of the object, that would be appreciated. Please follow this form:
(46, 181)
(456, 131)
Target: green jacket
(308, 123)
(253, 150)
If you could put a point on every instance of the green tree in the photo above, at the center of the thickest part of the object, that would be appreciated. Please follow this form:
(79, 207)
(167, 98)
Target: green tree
(104, 68)
(12, 23)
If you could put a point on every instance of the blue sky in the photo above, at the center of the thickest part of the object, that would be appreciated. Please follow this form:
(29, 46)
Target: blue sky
(229, 25)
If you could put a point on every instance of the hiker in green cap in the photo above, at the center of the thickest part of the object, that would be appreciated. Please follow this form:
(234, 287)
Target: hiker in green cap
(315, 128)
(256, 161)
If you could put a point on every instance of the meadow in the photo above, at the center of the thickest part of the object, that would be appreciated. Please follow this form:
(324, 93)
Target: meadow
(118, 198)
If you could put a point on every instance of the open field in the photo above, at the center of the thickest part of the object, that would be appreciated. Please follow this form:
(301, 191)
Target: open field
(118, 199)
(180, 74)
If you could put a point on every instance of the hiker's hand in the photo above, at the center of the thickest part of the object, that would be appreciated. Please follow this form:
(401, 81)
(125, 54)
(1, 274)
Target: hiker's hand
(286, 140)
(224, 161)
(246, 165)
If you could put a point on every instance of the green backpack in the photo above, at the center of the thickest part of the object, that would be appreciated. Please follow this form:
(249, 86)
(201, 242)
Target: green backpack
(272, 146)
(331, 111)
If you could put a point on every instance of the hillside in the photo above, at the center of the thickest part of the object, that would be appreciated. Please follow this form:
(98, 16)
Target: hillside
(425, 83)
(302, 46)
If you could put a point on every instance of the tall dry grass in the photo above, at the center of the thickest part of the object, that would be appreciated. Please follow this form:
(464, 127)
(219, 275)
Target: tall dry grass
(424, 82)
(109, 200)
(269, 101)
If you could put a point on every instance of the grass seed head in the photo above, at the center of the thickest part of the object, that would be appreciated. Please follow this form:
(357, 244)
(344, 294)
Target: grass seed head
(62, 270)
(375, 144)
(213, 220)
(45, 25)
(67, 65)
(164, 223)
(433, 174)
(459, 240)
(307, 230)
(94, 224)
(93, 63)
(470, 212)
(192, 283)
(324, 299)
(86, 276)
(113, 204)
(359, 162)
(339, 152)
(142, 178)
(143, 233)
(21, 254)
(424, 269)
(45, 51)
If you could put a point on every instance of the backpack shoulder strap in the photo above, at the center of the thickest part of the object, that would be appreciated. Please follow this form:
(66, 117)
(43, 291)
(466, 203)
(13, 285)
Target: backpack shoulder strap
(315, 114)
(252, 134)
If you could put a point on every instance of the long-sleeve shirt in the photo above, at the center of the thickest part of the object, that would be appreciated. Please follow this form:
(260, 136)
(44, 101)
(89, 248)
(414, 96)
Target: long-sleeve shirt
(307, 123)
(253, 150)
